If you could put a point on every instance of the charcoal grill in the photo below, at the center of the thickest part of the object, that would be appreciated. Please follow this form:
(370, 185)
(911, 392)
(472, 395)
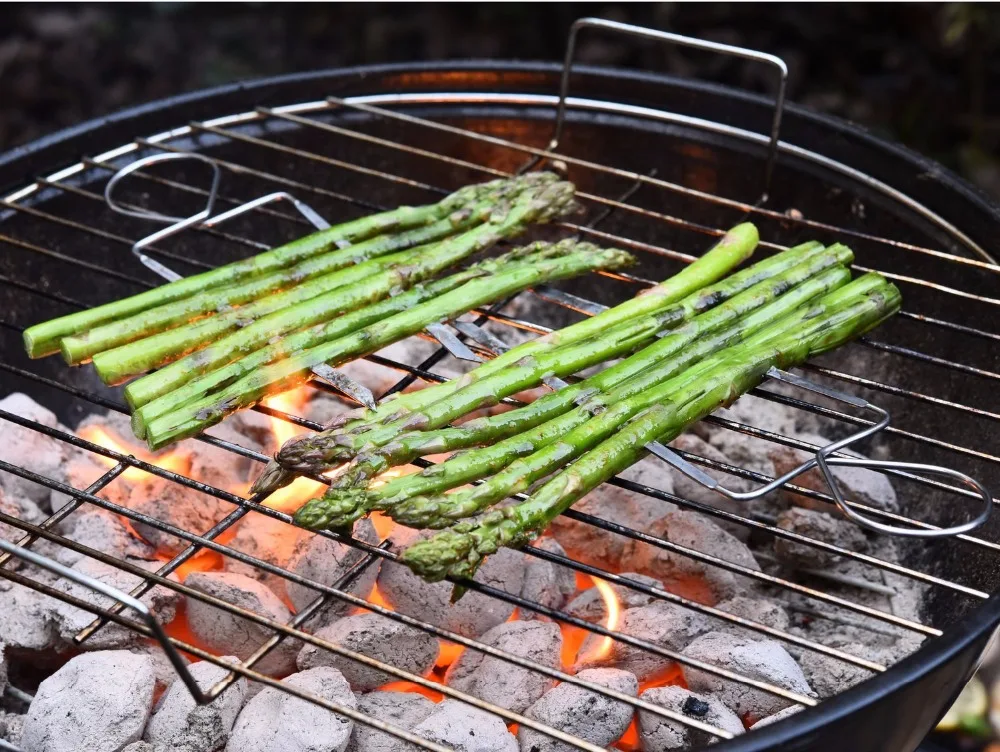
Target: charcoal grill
(663, 165)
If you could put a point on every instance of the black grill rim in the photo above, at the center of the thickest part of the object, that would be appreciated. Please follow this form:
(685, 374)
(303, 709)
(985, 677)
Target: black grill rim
(889, 709)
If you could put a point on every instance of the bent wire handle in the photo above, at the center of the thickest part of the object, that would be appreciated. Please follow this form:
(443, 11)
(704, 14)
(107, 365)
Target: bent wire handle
(684, 41)
(206, 218)
(824, 460)
(124, 599)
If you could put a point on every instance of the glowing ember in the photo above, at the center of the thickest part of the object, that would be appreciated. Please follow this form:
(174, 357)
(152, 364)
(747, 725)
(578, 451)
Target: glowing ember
(173, 461)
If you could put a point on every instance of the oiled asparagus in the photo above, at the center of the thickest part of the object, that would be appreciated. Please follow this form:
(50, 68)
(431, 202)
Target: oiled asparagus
(327, 448)
(458, 551)
(733, 248)
(193, 418)
(300, 307)
(336, 268)
(406, 499)
(43, 339)
(204, 386)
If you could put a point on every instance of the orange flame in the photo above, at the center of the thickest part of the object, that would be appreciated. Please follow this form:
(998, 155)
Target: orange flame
(613, 607)
(299, 491)
(173, 461)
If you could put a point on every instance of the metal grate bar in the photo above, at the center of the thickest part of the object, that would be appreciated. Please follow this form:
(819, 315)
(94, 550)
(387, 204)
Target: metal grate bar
(394, 178)
(224, 198)
(674, 187)
(206, 656)
(204, 228)
(240, 169)
(629, 485)
(288, 631)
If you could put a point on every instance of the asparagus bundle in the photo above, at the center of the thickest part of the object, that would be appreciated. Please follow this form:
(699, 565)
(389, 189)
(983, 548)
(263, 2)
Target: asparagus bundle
(203, 387)
(396, 443)
(731, 250)
(329, 447)
(314, 302)
(835, 319)
(319, 274)
(554, 262)
(44, 339)
(404, 498)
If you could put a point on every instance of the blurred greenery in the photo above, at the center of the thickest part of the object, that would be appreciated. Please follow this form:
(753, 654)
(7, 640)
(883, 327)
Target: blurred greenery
(924, 74)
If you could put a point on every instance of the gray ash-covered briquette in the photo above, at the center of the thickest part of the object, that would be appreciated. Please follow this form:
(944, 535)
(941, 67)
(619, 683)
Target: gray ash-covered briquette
(375, 636)
(179, 723)
(276, 721)
(326, 561)
(227, 633)
(176, 505)
(475, 613)
(662, 623)
(819, 526)
(597, 718)
(403, 710)
(658, 734)
(98, 700)
(546, 583)
(756, 659)
(465, 728)
(500, 682)
(69, 620)
(699, 533)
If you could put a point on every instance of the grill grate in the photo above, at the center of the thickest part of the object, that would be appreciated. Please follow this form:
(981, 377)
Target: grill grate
(260, 131)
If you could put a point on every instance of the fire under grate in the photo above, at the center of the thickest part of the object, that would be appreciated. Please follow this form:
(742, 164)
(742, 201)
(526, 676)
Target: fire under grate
(247, 135)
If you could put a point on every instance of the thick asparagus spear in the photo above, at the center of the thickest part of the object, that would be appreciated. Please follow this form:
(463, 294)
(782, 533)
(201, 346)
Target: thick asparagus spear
(43, 339)
(111, 366)
(459, 551)
(325, 449)
(202, 387)
(574, 259)
(405, 498)
(733, 248)
(300, 307)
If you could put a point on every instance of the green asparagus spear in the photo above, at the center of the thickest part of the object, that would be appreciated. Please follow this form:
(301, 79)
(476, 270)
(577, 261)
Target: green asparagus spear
(43, 339)
(300, 307)
(193, 418)
(112, 367)
(459, 551)
(204, 386)
(327, 448)
(405, 499)
(734, 247)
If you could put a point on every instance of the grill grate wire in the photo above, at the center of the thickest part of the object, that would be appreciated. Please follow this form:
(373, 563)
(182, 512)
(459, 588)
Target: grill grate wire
(423, 371)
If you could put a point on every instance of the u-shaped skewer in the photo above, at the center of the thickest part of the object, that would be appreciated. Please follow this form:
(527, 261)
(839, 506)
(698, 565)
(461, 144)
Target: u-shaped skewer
(824, 460)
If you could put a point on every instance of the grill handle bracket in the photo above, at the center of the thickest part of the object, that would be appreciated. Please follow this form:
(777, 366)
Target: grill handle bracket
(124, 599)
(683, 41)
(825, 460)
(207, 218)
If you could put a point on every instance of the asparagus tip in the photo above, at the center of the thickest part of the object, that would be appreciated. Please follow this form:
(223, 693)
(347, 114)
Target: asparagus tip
(273, 477)
(338, 507)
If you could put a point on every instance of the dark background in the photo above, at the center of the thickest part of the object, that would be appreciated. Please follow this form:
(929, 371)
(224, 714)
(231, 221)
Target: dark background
(927, 75)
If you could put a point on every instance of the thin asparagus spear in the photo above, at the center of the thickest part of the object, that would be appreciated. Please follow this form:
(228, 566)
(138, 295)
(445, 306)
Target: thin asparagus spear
(202, 387)
(327, 448)
(405, 498)
(88, 344)
(732, 249)
(576, 259)
(459, 551)
(43, 339)
(300, 307)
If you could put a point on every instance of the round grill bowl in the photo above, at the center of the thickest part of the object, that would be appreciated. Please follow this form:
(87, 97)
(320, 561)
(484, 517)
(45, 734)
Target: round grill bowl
(835, 174)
